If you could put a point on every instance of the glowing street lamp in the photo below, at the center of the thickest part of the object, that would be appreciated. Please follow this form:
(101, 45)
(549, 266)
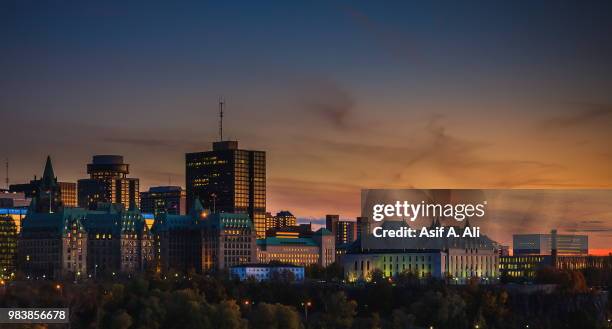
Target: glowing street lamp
(306, 305)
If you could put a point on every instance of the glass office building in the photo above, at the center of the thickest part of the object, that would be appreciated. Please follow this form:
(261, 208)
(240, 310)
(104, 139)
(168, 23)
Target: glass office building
(228, 179)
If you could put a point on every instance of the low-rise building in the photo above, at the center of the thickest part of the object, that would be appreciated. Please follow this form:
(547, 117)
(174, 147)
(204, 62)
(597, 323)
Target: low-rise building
(457, 259)
(294, 249)
(266, 272)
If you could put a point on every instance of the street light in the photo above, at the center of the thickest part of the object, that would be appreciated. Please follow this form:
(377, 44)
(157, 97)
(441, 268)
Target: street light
(306, 305)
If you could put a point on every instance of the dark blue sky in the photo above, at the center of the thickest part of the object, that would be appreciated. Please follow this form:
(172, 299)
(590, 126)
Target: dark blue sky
(342, 95)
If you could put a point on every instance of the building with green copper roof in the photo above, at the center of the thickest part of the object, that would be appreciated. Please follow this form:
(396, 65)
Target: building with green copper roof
(75, 242)
(203, 241)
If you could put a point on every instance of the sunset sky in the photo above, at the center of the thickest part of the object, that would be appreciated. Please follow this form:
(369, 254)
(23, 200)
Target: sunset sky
(341, 95)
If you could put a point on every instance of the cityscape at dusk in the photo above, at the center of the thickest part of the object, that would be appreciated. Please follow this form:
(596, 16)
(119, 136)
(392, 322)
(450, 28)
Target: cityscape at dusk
(216, 158)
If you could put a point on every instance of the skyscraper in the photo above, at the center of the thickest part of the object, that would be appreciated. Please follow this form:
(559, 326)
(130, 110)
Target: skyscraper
(228, 179)
(108, 183)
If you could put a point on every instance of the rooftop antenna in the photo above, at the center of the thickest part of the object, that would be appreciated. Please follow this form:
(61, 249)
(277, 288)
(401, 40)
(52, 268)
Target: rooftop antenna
(7, 174)
(221, 104)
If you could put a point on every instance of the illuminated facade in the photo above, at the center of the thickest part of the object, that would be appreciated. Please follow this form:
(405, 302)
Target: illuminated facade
(202, 241)
(53, 245)
(16, 214)
(68, 194)
(118, 241)
(228, 240)
(282, 220)
(344, 231)
(423, 264)
(8, 246)
(265, 272)
(229, 180)
(108, 183)
(526, 266)
(543, 244)
(170, 199)
(75, 242)
(456, 259)
(292, 249)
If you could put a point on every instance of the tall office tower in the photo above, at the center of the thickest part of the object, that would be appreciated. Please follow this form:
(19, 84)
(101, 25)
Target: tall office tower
(228, 179)
(168, 199)
(108, 183)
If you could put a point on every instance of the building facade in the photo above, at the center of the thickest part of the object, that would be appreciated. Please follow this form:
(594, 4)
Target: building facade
(14, 200)
(203, 241)
(118, 241)
(281, 220)
(423, 264)
(228, 240)
(75, 242)
(544, 244)
(228, 179)
(68, 192)
(53, 245)
(344, 231)
(293, 249)
(169, 199)
(8, 246)
(455, 259)
(265, 272)
(108, 183)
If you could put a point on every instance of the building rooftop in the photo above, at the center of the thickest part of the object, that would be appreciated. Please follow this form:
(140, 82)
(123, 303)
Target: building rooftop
(274, 241)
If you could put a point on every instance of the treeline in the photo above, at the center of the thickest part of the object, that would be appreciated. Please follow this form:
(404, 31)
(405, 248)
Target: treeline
(214, 301)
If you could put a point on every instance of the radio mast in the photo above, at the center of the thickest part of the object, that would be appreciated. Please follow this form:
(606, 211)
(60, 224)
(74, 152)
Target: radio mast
(221, 104)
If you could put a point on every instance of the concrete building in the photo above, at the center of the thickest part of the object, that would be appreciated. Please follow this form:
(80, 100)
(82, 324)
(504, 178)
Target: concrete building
(8, 246)
(526, 266)
(14, 200)
(202, 241)
(265, 272)
(108, 183)
(281, 220)
(543, 244)
(343, 231)
(16, 214)
(293, 249)
(455, 259)
(170, 199)
(359, 266)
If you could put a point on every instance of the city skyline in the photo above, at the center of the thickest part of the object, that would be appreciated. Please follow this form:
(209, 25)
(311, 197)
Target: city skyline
(341, 96)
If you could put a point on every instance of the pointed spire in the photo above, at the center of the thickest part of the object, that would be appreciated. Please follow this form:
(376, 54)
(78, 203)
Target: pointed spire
(48, 177)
